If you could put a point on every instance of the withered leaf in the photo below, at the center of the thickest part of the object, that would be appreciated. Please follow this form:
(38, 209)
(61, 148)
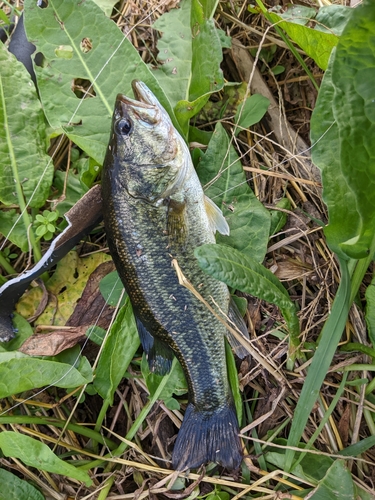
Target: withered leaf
(50, 344)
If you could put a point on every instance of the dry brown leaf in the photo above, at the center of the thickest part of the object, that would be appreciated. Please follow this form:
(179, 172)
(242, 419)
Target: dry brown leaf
(50, 344)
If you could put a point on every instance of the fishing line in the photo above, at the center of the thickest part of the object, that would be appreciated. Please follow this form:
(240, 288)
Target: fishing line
(43, 174)
(62, 137)
(74, 114)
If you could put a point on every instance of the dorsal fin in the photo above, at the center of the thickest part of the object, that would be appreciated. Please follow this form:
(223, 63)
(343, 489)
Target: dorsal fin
(216, 217)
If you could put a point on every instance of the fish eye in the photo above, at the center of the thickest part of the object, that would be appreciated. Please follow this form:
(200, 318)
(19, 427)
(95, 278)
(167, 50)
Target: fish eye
(123, 126)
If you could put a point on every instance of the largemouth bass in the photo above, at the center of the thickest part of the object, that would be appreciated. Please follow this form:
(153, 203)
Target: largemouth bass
(155, 211)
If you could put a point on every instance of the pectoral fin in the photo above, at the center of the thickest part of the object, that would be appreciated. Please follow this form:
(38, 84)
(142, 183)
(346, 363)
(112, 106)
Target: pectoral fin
(159, 355)
(176, 224)
(216, 217)
(236, 318)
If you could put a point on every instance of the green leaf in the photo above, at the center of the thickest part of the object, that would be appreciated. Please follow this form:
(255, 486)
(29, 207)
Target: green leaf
(346, 151)
(23, 140)
(14, 488)
(233, 380)
(311, 468)
(190, 51)
(336, 485)
(112, 288)
(72, 188)
(106, 6)
(253, 110)
(279, 218)
(247, 275)
(121, 345)
(207, 75)
(316, 44)
(96, 334)
(23, 373)
(24, 332)
(299, 14)
(37, 454)
(337, 193)
(248, 220)
(333, 18)
(111, 65)
(175, 52)
(15, 231)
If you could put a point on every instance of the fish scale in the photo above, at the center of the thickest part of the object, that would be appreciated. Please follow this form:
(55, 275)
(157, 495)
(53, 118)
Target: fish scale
(155, 212)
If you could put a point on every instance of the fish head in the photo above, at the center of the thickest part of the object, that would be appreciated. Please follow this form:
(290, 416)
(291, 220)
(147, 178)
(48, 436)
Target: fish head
(149, 152)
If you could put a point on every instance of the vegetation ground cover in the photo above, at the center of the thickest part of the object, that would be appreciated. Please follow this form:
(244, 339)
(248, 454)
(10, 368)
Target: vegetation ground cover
(240, 82)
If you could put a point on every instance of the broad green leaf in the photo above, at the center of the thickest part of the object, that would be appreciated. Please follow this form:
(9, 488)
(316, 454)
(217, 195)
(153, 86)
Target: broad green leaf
(336, 485)
(96, 334)
(299, 14)
(207, 75)
(346, 152)
(370, 311)
(24, 331)
(243, 273)
(37, 454)
(14, 229)
(110, 64)
(253, 110)
(190, 51)
(112, 288)
(70, 189)
(25, 373)
(317, 44)
(337, 193)
(220, 169)
(312, 467)
(353, 76)
(23, 140)
(106, 5)
(121, 345)
(175, 52)
(332, 18)
(175, 381)
(14, 488)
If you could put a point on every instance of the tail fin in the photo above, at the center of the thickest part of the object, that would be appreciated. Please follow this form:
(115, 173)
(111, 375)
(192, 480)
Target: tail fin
(208, 437)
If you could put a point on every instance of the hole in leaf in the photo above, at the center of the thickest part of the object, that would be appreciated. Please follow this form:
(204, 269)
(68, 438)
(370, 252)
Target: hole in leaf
(42, 4)
(86, 45)
(80, 86)
(39, 60)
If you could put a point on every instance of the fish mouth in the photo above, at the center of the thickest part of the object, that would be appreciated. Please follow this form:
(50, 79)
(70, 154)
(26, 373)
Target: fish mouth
(145, 108)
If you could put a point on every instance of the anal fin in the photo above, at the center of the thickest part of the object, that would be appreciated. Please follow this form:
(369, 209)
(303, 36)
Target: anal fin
(159, 354)
(235, 317)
